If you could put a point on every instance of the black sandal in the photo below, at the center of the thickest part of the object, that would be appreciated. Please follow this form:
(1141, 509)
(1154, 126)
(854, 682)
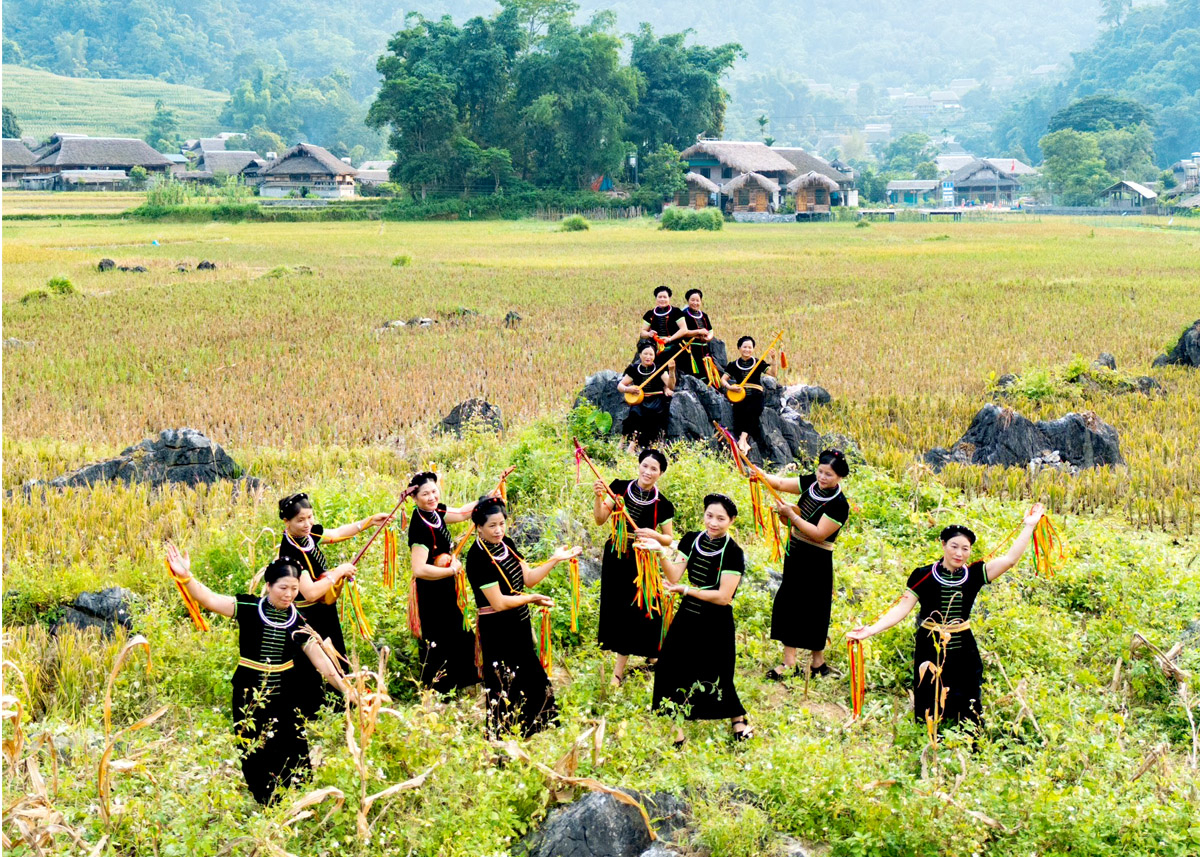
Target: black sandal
(678, 745)
(744, 734)
(817, 672)
(775, 675)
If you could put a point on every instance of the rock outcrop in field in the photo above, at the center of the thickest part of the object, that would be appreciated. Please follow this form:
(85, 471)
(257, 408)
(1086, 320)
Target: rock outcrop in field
(177, 456)
(1001, 436)
(1186, 351)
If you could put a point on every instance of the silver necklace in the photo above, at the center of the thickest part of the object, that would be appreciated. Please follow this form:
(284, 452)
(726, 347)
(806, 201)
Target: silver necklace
(298, 546)
(634, 499)
(437, 519)
(291, 619)
(497, 557)
(812, 492)
(946, 582)
(702, 552)
(642, 371)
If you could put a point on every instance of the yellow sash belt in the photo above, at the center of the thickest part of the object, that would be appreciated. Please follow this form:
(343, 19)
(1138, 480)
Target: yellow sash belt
(264, 668)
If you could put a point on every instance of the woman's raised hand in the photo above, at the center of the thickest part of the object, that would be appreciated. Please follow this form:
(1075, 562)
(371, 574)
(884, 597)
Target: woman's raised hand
(180, 562)
(344, 571)
(379, 519)
(859, 633)
(1035, 515)
(648, 544)
(600, 489)
(565, 553)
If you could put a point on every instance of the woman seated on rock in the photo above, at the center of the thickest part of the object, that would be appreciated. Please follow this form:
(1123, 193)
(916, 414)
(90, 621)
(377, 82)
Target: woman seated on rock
(800, 616)
(518, 690)
(695, 332)
(646, 422)
(446, 645)
(625, 629)
(320, 586)
(946, 591)
(746, 374)
(268, 693)
(663, 322)
(695, 668)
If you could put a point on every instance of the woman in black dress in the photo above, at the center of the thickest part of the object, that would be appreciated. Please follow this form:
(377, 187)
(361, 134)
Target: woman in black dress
(446, 644)
(695, 669)
(624, 626)
(646, 422)
(946, 591)
(800, 616)
(518, 689)
(663, 321)
(320, 586)
(743, 373)
(695, 331)
(267, 692)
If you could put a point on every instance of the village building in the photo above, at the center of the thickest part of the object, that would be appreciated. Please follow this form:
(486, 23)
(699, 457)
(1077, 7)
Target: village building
(913, 191)
(980, 183)
(222, 163)
(15, 161)
(1127, 195)
(751, 192)
(307, 170)
(812, 193)
(758, 169)
(845, 193)
(699, 193)
(69, 162)
(373, 172)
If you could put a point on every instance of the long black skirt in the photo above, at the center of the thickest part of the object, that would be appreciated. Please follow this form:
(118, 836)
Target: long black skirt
(312, 691)
(647, 423)
(800, 615)
(695, 668)
(518, 691)
(962, 677)
(624, 628)
(747, 416)
(446, 649)
(270, 732)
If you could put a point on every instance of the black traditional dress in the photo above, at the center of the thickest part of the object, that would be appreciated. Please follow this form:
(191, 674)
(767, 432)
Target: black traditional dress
(321, 617)
(695, 669)
(446, 647)
(624, 627)
(693, 364)
(747, 414)
(664, 324)
(946, 599)
(647, 422)
(267, 691)
(518, 690)
(800, 615)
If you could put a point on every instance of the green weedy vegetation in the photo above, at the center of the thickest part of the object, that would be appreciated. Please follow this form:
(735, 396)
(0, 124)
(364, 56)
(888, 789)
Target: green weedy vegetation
(574, 223)
(1061, 782)
(678, 219)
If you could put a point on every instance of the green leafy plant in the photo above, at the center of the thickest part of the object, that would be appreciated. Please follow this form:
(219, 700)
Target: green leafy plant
(61, 286)
(574, 223)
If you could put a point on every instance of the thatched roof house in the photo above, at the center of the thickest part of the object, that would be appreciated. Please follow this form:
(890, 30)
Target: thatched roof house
(751, 192)
(698, 191)
(230, 163)
(813, 192)
(982, 183)
(307, 170)
(723, 160)
(803, 162)
(100, 153)
(15, 161)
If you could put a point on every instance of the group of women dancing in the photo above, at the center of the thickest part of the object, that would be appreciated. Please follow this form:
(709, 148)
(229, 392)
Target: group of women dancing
(292, 649)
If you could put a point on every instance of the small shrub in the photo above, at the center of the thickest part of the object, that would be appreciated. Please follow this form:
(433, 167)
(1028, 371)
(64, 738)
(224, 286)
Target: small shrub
(575, 223)
(587, 422)
(402, 261)
(685, 219)
(863, 224)
(61, 286)
(36, 296)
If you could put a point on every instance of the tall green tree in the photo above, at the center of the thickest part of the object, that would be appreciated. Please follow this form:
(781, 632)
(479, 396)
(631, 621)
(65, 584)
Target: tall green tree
(662, 172)
(419, 109)
(263, 99)
(163, 133)
(679, 89)
(1097, 111)
(12, 130)
(1074, 167)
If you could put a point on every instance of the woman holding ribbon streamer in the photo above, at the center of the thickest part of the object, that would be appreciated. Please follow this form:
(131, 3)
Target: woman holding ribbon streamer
(946, 658)
(695, 669)
(628, 627)
(800, 615)
(267, 691)
(646, 422)
(663, 322)
(320, 586)
(445, 643)
(518, 688)
(695, 329)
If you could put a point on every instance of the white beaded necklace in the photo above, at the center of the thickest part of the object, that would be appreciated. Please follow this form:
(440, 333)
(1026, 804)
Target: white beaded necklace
(437, 519)
(946, 582)
(498, 558)
(642, 371)
(695, 315)
(812, 492)
(291, 619)
(664, 313)
(297, 545)
(633, 499)
(702, 552)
